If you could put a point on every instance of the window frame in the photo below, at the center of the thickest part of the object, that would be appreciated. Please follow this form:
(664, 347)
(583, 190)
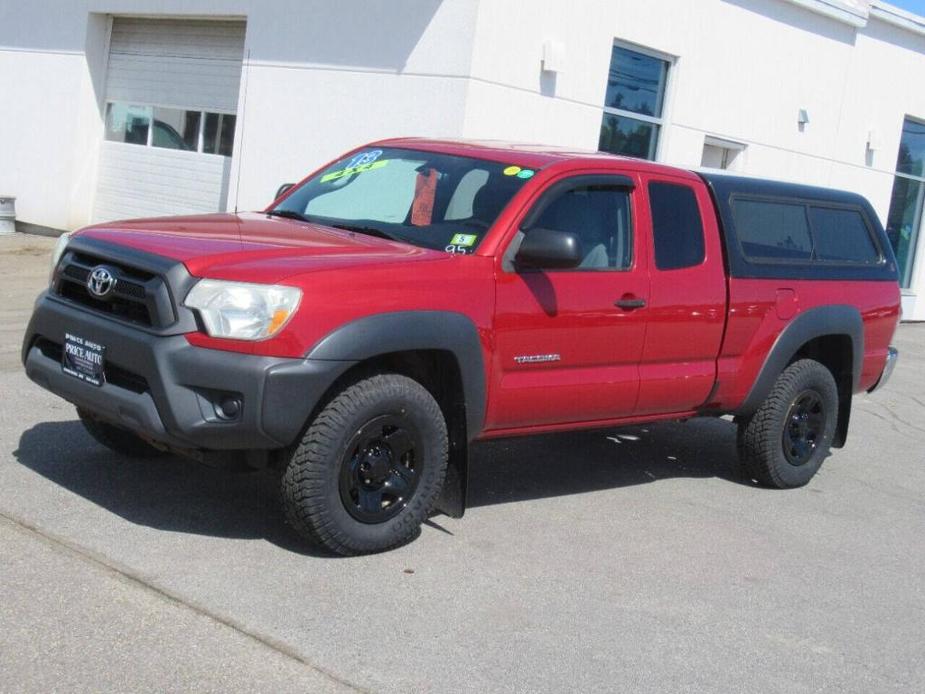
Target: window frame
(661, 122)
(565, 185)
(806, 204)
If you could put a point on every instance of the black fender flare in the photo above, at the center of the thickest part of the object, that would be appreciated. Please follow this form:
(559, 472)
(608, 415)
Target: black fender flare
(816, 322)
(404, 331)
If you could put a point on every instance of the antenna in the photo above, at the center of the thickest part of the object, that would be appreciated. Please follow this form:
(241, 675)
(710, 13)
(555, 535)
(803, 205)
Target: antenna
(237, 183)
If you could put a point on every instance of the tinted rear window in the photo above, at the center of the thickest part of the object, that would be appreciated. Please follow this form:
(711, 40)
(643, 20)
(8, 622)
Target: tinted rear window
(676, 226)
(732, 195)
(842, 235)
(773, 230)
(782, 230)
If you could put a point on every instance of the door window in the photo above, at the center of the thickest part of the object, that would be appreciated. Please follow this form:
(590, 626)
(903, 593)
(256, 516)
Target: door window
(676, 226)
(599, 215)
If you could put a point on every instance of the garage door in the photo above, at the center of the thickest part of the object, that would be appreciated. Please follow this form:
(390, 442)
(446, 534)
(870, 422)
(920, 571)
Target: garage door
(171, 103)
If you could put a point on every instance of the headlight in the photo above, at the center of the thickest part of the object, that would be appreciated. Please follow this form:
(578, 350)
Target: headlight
(241, 311)
(58, 251)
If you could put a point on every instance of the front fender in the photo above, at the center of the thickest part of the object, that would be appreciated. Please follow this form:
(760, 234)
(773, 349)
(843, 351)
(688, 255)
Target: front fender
(404, 331)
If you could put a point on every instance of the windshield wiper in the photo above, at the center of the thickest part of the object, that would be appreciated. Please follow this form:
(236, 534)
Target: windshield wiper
(359, 228)
(288, 214)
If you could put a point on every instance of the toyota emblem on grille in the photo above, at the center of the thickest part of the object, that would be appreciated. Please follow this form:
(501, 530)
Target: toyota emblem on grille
(101, 282)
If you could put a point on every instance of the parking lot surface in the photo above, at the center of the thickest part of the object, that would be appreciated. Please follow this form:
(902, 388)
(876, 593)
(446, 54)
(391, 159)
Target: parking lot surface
(624, 560)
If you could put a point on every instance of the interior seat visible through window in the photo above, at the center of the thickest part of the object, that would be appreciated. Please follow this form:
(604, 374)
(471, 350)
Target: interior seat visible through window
(487, 204)
(599, 216)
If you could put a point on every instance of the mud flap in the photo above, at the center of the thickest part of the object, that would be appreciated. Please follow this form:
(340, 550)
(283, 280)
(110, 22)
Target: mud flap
(452, 499)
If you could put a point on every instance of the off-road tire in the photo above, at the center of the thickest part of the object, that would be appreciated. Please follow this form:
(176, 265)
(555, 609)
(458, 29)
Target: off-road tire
(117, 439)
(761, 436)
(311, 482)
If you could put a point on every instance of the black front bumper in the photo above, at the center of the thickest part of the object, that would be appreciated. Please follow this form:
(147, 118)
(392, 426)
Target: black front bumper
(167, 390)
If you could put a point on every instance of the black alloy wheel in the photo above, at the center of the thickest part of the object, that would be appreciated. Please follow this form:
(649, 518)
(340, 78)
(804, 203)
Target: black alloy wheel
(784, 442)
(369, 467)
(380, 469)
(804, 427)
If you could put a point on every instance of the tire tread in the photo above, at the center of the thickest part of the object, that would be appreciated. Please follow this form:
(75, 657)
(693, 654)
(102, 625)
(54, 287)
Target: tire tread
(303, 482)
(758, 441)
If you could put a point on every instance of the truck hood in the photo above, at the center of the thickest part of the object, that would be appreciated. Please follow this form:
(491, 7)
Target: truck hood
(254, 247)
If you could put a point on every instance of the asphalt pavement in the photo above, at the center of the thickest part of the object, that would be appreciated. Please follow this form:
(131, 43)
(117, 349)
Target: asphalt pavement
(627, 560)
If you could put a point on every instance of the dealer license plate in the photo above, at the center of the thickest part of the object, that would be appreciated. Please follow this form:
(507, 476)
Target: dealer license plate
(83, 359)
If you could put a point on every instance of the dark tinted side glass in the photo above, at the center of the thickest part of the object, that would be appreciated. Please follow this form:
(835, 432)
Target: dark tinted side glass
(676, 226)
(599, 216)
(842, 235)
(773, 230)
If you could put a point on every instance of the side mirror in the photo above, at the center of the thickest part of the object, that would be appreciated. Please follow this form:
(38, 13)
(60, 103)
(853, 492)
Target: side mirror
(548, 249)
(283, 189)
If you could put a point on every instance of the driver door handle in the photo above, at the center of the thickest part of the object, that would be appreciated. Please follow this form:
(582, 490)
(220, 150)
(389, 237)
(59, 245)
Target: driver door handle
(629, 303)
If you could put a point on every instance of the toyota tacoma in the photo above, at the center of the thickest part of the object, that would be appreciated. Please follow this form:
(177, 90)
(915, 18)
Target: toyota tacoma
(415, 296)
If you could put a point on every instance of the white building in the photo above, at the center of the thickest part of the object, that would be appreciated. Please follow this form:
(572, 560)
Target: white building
(118, 108)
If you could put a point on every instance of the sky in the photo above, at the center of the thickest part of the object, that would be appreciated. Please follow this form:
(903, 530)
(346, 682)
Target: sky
(917, 6)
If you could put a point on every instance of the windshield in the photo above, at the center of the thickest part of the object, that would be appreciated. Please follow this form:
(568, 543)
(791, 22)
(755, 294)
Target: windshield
(427, 199)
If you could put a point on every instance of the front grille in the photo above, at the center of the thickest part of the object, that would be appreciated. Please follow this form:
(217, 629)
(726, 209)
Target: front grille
(138, 297)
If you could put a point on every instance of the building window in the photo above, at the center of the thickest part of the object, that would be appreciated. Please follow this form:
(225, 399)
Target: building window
(218, 134)
(904, 221)
(170, 128)
(634, 104)
(175, 129)
(722, 154)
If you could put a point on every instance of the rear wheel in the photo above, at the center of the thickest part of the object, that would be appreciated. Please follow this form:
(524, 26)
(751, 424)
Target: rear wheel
(369, 468)
(784, 443)
(117, 439)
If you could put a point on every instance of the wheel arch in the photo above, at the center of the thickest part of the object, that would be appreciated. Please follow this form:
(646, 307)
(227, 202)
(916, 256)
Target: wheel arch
(443, 352)
(832, 335)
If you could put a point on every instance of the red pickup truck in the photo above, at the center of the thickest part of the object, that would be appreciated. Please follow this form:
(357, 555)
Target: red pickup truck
(415, 295)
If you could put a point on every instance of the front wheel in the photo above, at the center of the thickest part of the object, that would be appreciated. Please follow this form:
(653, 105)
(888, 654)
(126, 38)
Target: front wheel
(369, 468)
(784, 443)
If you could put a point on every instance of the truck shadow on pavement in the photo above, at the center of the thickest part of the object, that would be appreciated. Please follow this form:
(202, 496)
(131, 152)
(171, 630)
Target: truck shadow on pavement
(182, 496)
(537, 467)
